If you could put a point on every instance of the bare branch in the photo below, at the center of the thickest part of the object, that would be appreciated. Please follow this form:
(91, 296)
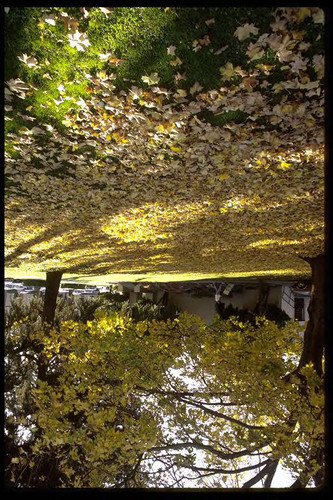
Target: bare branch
(258, 476)
(297, 484)
(271, 474)
(219, 470)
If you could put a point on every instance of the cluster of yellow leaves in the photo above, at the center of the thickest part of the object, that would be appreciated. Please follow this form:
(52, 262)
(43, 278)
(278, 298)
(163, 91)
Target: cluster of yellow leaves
(151, 149)
(115, 372)
(103, 365)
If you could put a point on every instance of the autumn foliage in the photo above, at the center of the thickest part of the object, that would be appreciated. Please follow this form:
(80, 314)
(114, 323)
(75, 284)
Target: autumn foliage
(158, 140)
(169, 175)
(159, 403)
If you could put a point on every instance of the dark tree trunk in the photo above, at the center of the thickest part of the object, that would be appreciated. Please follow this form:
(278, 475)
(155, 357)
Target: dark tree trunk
(53, 279)
(313, 348)
(271, 474)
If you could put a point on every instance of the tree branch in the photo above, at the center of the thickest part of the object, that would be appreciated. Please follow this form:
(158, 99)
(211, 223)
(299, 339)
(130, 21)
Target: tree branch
(258, 476)
(219, 470)
(200, 446)
(221, 415)
(297, 484)
(271, 474)
(176, 393)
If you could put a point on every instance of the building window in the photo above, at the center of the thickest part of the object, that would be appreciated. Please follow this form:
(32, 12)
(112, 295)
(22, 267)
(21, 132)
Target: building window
(299, 309)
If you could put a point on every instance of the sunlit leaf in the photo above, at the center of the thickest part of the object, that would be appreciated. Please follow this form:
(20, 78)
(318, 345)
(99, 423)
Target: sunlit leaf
(152, 79)
(243, 32)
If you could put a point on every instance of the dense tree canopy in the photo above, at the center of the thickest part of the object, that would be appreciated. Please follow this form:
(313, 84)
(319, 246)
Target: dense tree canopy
(164, 139)
(154, 403)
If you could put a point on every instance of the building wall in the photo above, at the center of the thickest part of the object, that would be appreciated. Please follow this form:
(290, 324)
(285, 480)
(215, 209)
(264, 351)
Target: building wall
(202, 306)
(205, 306)
(133, 297)
(306, 302)
(288, 301)
(274, 296)
(247, 299)
(8, 298)
(281, 296)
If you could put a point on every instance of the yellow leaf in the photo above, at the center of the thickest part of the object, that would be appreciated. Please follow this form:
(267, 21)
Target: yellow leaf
(102, 75)
(298, 35)
(303, 12)
(182, 92)
(277, 87)
(176, 62)
(228, 70)
(287, 108)
(222, 177)
(67, 123)
(284, 165)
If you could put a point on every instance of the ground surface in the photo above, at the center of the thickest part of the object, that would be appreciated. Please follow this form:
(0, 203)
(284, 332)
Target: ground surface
(191, 149)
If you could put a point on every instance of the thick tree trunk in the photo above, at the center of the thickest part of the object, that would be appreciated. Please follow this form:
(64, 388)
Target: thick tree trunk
(53, 279)
(313, 348)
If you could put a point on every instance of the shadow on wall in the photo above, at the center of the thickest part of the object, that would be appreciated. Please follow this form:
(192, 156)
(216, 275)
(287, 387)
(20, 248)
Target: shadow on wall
(281, 296)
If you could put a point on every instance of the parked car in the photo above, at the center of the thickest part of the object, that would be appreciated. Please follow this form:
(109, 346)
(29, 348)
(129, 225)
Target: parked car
(15, 286)
(90, 291)
(26, 292)
(29, 289)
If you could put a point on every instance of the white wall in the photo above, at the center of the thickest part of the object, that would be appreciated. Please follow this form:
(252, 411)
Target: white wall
(205, 306)
(274, 296)
(281, 296)
(202, 306)
(287, 301)
(8, 298)
(133, 297)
